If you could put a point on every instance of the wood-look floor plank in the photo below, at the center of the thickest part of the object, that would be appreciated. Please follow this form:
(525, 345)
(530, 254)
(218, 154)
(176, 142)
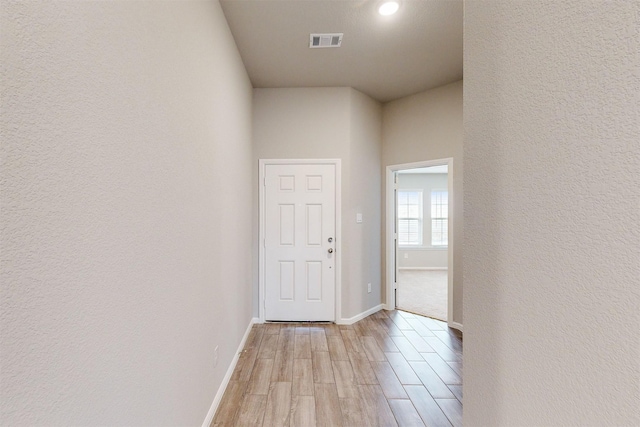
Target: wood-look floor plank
(302, 377)
(445, 352)
(431, 380)
(394, 313)
(328, 412)
(405, 413)
(384, 341)
(278, 408)
(452, 408)
(406, 314)
(376, 407)
(345, 379)
(254, 338)
(449, 340)
(245, 365)
(289, 328)
(228, 409)
(372, 349)
(408, 351)
(351, 341)
(361, 372)
(302, 330)
(352, 413)
(380, 314)
(432, 324)
(362, 369)
(331, 329)
(251, 412)
(390, 328)
(403, 370)
(388, 381)
(444, 371)
(337, 350)
(364, 328)
(286, 340)
(456, 366)
(282, 367)
(322, 369)
(374, 325)
(420, 327)
(440, 324)
(268, 347)
(303, 411)
(401, 323)
(302, 347)
(261, 377)
(272, 328)
(318, 340)
(428, 409)
(457, 391)
(416, 341)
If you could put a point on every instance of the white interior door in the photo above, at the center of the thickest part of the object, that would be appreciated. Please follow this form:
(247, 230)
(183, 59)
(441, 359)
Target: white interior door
(300, 224)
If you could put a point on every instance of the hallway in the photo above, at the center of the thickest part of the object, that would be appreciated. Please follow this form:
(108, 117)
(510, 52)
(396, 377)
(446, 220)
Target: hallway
(392, 368)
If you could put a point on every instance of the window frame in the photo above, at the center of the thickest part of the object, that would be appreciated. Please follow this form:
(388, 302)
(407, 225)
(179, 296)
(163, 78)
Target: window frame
(439, 218)
(419, 218)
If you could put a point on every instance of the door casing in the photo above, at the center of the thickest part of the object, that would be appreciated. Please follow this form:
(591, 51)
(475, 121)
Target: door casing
(338, 235)
(391, 247)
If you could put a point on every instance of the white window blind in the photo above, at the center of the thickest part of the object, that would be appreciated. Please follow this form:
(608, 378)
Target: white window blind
(409, 217)
(439, 218)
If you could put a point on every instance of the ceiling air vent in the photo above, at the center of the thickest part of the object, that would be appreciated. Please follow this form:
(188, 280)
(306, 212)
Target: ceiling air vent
(325, 40)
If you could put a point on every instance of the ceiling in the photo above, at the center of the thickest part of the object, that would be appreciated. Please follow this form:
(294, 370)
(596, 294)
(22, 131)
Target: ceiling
(418, 48)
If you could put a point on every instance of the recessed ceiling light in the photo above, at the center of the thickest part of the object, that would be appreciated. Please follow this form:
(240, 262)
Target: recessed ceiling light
(388, 8)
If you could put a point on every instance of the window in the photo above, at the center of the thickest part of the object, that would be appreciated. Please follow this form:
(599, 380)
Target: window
(409, 217)
(439, 218)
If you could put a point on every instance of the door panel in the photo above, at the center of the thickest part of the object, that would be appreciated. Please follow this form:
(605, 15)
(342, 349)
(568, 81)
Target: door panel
(299, 223)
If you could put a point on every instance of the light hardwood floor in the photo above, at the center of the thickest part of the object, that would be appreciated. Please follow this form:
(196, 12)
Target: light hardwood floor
(392, 368)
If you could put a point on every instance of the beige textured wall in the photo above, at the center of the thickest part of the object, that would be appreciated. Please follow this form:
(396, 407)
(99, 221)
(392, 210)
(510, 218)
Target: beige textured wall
(326, 123)
(428, 126)
(362, 264)
(551, 247)
(126, 211)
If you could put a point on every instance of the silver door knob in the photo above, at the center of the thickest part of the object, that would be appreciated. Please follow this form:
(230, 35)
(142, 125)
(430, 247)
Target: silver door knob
(330, 250)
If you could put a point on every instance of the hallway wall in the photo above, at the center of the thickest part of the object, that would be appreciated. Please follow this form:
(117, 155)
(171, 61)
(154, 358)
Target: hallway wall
(551, 248)
(126, 199)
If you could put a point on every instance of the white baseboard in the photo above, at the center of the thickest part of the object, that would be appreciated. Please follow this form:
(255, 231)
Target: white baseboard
(354, 319)
(424, 268)
(387, 307)
(456, 325)
(227, 377)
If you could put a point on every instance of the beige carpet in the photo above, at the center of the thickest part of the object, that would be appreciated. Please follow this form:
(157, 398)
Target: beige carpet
(423, 292)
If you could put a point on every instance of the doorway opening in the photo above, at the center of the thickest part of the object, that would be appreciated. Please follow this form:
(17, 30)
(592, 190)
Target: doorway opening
(419, 238)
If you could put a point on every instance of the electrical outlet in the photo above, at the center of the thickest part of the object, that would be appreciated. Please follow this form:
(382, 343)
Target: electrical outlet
(406, 256)
(215, 357)
(369, 287)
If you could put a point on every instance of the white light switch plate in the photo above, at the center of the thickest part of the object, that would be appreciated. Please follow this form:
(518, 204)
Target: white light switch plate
(358, 217)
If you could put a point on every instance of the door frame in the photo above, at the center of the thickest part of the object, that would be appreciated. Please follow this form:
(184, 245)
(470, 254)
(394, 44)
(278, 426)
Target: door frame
(338, 236)
(390, 228)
